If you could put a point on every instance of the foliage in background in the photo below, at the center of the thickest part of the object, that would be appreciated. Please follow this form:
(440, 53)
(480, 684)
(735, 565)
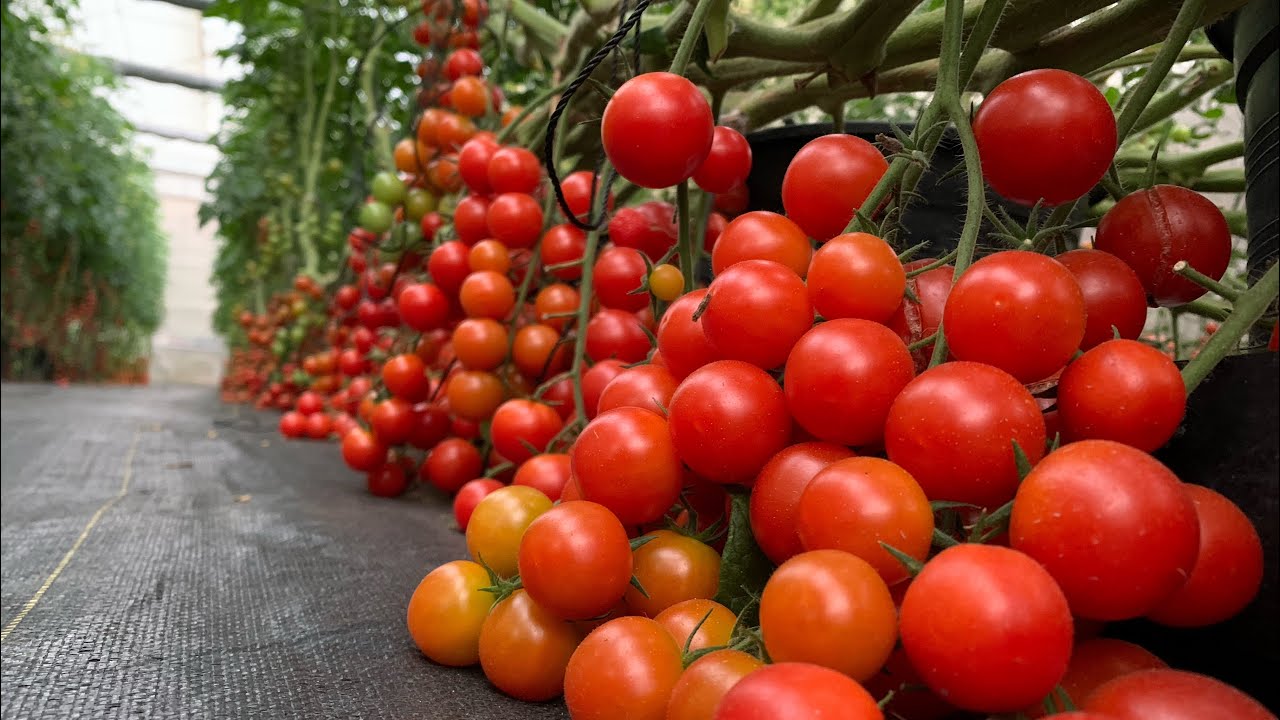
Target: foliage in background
(83, 256)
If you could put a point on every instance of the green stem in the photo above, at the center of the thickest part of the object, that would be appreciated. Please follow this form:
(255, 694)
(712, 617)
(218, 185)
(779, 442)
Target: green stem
(1208, 77)
(381, 138)
(684, 52)
(585, 296)
(543, 98)
(1196, 51)
(1206, 309)
(837, 118)
(688, 259)
(1184, 24)
(1185, 270)
(1249, 307)
(1187, 163)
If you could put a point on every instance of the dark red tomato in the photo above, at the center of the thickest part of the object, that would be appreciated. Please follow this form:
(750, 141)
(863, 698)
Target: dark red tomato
(293, 424)
(515, 220)
(595, 380)
(1112, 525)
(911, 697)
(368, 315)
(559, 395)
(451, 464)
(762, 235)
(577, 188)
(775, 495)
(463, 62)
(916, 321)
(1114, 298)
(387, 481)
(575, 560)
(681, 339)
(389, 316)
(351, 362)
(318, 426)
(362, 451)
(672, 568)
(828, 180)
(1016, 310)
(449, 265)
(1095, 662)
(514, 170)
(1228, 569)
(392, 421)
(727, 419)
(733, 202)
(617, 272)
(625, 668)
(648, 227)
(519, 425)
(716, 224)
(797, 690)
(1122, 390)
(473, 163)
(856, 275)
(842, 377)
(705, 682)
(829, 608)
(616, 334)
(524, 649)
(430, 426)
(728, 163)
(431, 224)
(1164, 694)
(657, 129)
(1152, 230)
(1045, 134)
(406, 377)
(858, 503)
(471, 219)
(310, 402)
(757, 311)
(564, 244)
(645, 386)
(953, 429)
(987, 627)
(626, 461)
(548, 472)
(423, 307)
(363, 338)
(346, 297)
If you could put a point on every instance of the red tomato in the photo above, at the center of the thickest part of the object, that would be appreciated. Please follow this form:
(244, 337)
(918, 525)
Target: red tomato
(762, 235)
(514, 170)
(672, 568)
(916, 321)
(1045, 134)
(1151, 230)
(1112, 525)
(451, 464)
(727, 164)
(470, 495)
(1095, 662)
(828, 180)
(648, 227)
(727, 419)
(362, 451)
(714, 623)
(423, 307)
(548, 473)
(1164, 694)
(645, 386)
(524, 649)
(473, 163)
(449, 266)
(406, 377)
(499, 522)
(657, 129)
(1113, 296)
(705, 682)
(1228, 569)
(447, 610)
(1122, 390)
(575, 560)
(471, 219)
(318, 426)
(463, 62)
(310, 402)
(829, 608)
(856, 275)
(577, 188)
(797, 690)
(431, 425)
(681, 339)
(392, 421)
(564, 244)
(842, 377)
(1019, 311)
(595, 380)
(775, 495)
(517, 423)
(617, 272)
(987, 628)
(515, 220)
(387, 481)
(625, 668)
(616, 334)
(293, 424)
(757, 311)
(626, 461)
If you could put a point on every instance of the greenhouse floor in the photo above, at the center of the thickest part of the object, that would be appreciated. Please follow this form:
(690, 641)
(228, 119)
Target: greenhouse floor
(165, 555)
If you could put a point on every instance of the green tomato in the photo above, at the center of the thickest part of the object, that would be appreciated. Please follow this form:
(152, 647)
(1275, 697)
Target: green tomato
(1180, 133)
(334, 165)
(295, 334)
(376, 217)
(417, 203)
(388, 189)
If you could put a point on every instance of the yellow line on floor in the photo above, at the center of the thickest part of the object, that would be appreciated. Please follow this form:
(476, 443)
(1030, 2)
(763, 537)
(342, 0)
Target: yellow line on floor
(84, 534)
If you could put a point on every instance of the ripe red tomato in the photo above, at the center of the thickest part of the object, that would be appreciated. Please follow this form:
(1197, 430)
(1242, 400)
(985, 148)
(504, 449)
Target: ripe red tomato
(447, 611)
(1045, 134)
(1122, 390)
(657, 129)
(564, 244)
(515, 220)
(499, 522)
(548, 472)
(451, 464)
(318, 426)
(1096, 661)
(575, 560)
(1151, 230)
(595, 380)
(727, 419)
(514, 170)
(405, 376)
(705, 682)
(470, 219)
(1113, 296)
(463, 62)
(480, 343)
(616, 334)
(987, 628)
(672, 568)
(392, 421)
(829, 608)
(1164, 694)
(626, 461)
(727, 164)
(625, 668)
(1228, 569)
(856, 275)
(430, 426)
(470, 495)
(522, 428)
(648, 227)
(293, 424)
(828, 180)
(577, 188)
(387, 481)
(681, 339)
(797, 690)
(762, 235)
(617, 272)
(842, 377)
(473, 163)
(1112, 525)
(423, 307)
(449, 265)
(524, 649)
(310, 402)
(363, 452)
(757, 311)
(645, 386)
(1016, 310)
(775, 495)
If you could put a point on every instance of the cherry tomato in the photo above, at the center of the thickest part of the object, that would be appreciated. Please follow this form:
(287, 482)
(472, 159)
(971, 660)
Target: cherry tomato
(797, 690)
(762, 235)
(727, 164)
(1114, 298)
(625, 668)
(856, 275)
(775, 495)
(757, 311)
(447, 611)
(575, 560)
(705, 682)
(626, 461)
(406, 377)
(522, 428)
(1164, 694)
(648, 227)
(451, 464)
(392, 421)
(915, 321)
(449, 267)
(616, 334)
(645, 386)
(473, 163)
(487, 294)
(1045, 134)
(657, 129)
(577, 188)
(538, 352)
(474, 395)
(463, 62)
(666, 282)
(1095, 662)
(423, 307)
(1122, 390)
(524, 649)
(471, 219)
(557, 299)
(548, 472)
(713, 621)
(470, 495)
(681, 339)
(564, 244)
(514, 170)
(515, 220)
(595, 380)
(293, 424)
(499, 522)
(480, 343)
(617, 272)
(828, 180)
(489, 255)
(672, 568)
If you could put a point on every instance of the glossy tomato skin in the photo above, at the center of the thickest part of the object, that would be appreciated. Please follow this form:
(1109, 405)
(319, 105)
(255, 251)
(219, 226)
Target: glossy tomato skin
(625, 668)
(727, 419)
(762, 235)
(1151, 230)
(595, 380)
(713, 621)
(362, 451)
(648, 227)
(470, 495)
(645, 386)
(727, 164)
(1020, 311)
(1122, 390)
(1045, 134)
(448, 266)
(451, 463)
(548, 473)
(520, 424)
(626, 461)
(616, 334)
(776, 492)
(828, 180)
(757, 311)
(705, 682)
(423, 307)
(1113, 526)
(953, 429)
(1114, 298)
(1165, 694)
(514, 170)
(562, 244)
(797, 690)
(499, 522)
(682, 340)
(1228, 569)
(829, 608)
(657, 129)
(617, 272)
(842, 377)
(987, 628)
(856, 275)
(524, 649)
(515, 220)
(575, 560)
(673, 568)
(447, 610)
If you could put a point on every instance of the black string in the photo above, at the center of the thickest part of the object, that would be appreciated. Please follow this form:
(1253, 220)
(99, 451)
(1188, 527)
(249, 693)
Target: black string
(565, 97)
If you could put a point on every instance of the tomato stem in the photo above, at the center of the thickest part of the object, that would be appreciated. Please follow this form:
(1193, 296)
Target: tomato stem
(1188, 19)
(1250, 306)
(684, 52)
(1185, 270)
(688, 259)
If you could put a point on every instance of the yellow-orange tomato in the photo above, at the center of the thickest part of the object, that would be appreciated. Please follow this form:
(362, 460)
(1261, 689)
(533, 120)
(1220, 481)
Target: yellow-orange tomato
(533, 352)
(480, 343)
(714, 623)
(475, 394)
(489, 255)
(524, 649)
(447, 611)
(498, 523)
(666, 282)
(673, 568)
(470, 96)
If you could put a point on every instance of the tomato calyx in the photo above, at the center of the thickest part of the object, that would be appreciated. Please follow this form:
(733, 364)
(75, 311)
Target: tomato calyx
(689, 528)
(501, 588)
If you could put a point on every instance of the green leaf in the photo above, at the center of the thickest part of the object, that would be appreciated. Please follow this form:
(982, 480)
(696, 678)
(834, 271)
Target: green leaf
(1020, 459)
(744, 568)
(716, 29)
